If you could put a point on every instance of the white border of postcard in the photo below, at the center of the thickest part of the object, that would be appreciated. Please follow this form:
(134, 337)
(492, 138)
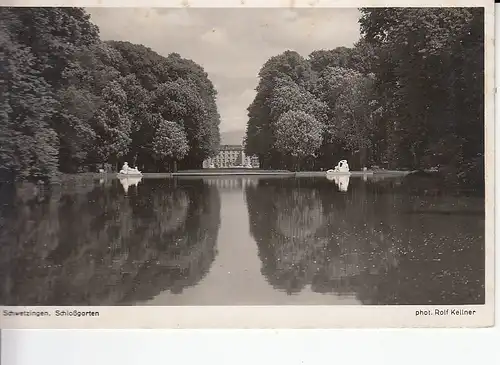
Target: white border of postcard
(287, 316)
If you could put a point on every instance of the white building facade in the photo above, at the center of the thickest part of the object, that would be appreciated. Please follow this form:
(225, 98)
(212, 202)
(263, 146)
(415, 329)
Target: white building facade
(231, 156)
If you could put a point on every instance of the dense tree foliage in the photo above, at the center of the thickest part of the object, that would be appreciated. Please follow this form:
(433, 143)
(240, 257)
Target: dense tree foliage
(431, 67)
(73, 103)
(330, 86)
(298, 134)
(408, 95)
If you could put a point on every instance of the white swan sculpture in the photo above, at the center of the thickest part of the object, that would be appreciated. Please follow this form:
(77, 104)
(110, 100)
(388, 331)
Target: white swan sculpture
(341, 168)
(129, 171)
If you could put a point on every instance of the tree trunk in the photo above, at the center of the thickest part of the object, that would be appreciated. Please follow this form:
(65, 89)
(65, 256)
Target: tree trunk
(296, 163)
(362, 157)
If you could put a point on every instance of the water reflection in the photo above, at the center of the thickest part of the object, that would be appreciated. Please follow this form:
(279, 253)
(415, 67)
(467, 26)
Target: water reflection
(342, 181)
(128, 182)
(90, 244)
(241, 241)
(377, 242)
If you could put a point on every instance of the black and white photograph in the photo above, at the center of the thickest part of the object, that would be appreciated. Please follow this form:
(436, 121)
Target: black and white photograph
(286, 156)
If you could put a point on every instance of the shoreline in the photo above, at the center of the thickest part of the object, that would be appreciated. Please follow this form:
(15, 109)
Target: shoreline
(270, 173)
(79, 177)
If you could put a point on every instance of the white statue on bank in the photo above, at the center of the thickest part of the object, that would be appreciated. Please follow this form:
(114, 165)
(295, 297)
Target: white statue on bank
(342, 167)
(127, 170)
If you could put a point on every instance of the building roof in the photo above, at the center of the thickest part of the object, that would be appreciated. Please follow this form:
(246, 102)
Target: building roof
(230, 147)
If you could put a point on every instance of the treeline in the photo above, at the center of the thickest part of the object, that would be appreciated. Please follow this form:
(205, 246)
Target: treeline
(408, 95)
(73, 103)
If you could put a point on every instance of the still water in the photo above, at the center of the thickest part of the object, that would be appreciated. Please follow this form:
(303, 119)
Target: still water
(241, 240)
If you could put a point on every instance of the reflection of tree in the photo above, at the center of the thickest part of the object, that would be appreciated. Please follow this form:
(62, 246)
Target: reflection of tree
(441, 253)
(370, 241)
(299, 213)
(98, 246)
(288, 225)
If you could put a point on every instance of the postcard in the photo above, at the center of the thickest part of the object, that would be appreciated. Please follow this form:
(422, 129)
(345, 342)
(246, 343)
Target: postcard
(246, 164)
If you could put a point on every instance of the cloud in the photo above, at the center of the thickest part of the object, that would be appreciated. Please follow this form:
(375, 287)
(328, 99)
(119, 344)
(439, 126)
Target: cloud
(215, 37)
(234, 106)
(289, 15)
(231, 44)
(179, 17)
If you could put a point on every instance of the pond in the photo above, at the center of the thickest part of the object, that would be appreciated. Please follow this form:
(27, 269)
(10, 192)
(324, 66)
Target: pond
(241, 241)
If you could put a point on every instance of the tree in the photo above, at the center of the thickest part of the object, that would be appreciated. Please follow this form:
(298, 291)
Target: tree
(53, 35)
(42, 42)
(96, 110)
(259, 139)
(112, 125)
(179, 89)
(29, 144)
(430, 75)
(298, 134)
(287, 95)
(333, 86)
(170, 141)
(84, 102)
(354, 114)
(338, 57)
(179, 102)
(185, 69)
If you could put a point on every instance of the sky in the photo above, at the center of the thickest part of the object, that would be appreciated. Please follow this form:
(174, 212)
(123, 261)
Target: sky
(231, 44)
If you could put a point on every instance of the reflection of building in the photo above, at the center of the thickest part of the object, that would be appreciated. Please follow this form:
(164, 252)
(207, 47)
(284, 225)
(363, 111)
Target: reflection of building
(231, 156)
(230, 183)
